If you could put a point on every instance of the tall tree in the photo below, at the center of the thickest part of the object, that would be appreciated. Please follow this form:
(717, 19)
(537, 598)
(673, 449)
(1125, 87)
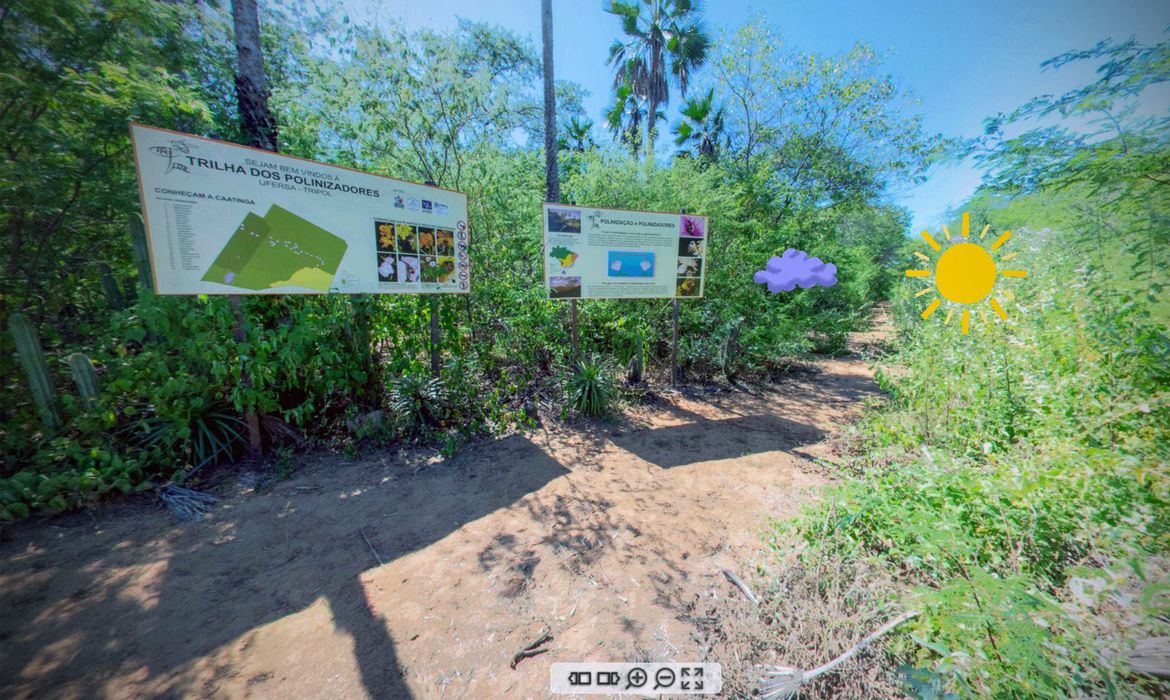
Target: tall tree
(820, 130)
(1100, 145)
(665, 43)
(552, 184)
(251, 81)
(702, 126)
(260, 128)
(625, 116)
(380, 99)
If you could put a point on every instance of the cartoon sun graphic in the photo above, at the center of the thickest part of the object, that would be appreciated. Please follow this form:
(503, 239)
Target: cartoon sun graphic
(966, 273)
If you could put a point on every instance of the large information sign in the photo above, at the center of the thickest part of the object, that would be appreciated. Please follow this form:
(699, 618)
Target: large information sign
(593, 253)
(228, 219)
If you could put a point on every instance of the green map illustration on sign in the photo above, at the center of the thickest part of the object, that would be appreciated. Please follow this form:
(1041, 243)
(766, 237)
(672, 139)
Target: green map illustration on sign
(275, 250)
(564, 256)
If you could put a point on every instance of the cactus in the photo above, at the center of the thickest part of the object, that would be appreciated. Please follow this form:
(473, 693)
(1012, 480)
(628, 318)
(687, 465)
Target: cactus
(86, 379)
(141, 251)
(110, 288)
(32, 358)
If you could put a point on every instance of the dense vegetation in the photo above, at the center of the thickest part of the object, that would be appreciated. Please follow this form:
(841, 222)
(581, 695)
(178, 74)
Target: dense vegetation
(1015, 483)
(458, 109)
(1017, 480)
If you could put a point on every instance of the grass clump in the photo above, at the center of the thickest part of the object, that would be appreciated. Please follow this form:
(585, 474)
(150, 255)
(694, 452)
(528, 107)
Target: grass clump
(591, 386)
(418, 401)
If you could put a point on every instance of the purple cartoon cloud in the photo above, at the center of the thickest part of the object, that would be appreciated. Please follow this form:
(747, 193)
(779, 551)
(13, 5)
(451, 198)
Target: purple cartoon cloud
(796, 269)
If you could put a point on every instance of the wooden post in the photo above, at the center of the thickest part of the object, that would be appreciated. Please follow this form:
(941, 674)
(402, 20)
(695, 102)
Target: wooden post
(255, 449)
(674, 347)
(257, 122)
(252, 92)
(436, 359)
(576, 343)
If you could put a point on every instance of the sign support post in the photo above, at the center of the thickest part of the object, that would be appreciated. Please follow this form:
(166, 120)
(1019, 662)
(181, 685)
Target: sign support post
(250, 418)
(674, 348)
(436, 359)
(576, 344)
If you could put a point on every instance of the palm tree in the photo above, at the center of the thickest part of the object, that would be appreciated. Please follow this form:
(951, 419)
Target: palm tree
(625, 116)
(577, 135)
(657, 32)
(552, 184)
(702, 126)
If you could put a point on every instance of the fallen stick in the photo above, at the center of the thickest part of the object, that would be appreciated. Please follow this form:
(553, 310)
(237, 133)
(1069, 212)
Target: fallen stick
(532, 649)
(374, 551)
(782, 682)
(741, 586)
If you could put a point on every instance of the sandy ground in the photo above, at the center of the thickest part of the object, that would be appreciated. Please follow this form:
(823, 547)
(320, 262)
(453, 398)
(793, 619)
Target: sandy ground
(604, 534)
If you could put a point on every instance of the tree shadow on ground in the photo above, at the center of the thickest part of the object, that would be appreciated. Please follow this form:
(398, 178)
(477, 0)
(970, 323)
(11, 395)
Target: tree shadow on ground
(142, 606)
(77, 615)
(705, 439)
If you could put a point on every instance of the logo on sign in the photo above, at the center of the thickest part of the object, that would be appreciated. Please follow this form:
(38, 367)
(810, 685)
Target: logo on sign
(168, 152)
(412, 204)
(399, 200)
(594, 219)
(426, 204)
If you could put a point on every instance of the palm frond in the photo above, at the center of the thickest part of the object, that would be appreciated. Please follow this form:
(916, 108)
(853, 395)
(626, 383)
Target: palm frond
(665, 42)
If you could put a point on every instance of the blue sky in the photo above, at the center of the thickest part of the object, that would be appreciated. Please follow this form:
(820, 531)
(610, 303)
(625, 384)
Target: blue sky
(961, 60)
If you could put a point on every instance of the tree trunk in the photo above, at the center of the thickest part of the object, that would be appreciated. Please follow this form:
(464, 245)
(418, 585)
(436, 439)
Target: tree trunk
(651, 117)
(653, 97)
(552, 184)
(251, 82)
(259, 126)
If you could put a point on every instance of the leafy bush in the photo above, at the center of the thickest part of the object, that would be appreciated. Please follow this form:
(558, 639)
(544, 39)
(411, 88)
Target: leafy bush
(68, 474)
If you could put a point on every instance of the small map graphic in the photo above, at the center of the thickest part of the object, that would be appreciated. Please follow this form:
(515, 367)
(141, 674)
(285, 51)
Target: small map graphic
(277, 250)
(564, 256)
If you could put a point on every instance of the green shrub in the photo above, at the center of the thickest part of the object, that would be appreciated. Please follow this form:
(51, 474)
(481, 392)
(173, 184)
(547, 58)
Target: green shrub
(203, 437)
(591, 386)
(1028, 458)
(67, 473)
(418, 402)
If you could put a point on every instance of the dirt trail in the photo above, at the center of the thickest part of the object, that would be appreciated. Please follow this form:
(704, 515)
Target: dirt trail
(606, 535)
